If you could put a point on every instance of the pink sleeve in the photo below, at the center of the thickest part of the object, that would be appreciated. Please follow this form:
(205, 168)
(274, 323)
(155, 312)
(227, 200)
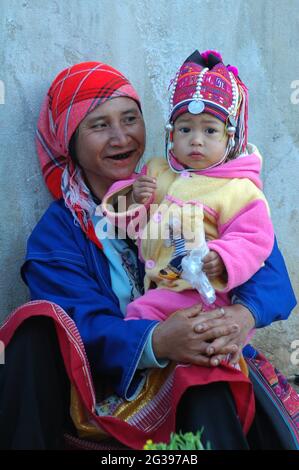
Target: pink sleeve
(136, 215)
(245, 243)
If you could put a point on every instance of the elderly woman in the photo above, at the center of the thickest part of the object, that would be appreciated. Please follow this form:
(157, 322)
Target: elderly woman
(130, 380)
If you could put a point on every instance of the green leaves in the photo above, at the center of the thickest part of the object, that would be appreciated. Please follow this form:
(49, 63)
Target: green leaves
(187, 441)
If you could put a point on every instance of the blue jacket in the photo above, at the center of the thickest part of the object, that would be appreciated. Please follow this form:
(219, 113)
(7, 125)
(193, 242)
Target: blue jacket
(63, 266)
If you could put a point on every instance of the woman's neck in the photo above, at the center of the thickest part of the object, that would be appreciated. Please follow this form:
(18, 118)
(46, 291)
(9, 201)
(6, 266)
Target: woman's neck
(98, 188)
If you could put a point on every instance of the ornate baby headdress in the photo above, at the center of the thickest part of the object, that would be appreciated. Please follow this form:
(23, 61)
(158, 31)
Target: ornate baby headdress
(204, 84)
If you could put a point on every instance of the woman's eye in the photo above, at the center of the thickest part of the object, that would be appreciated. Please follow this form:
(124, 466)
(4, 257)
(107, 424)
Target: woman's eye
(99, 125)
(130, 119)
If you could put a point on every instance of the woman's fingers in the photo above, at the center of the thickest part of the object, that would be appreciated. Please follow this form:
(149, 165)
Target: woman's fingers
(202, 338)
(234, 358)
(222, 334)
(215, 360)
(225, 344)
(195, 353)
(206, 338)
(190, 312)
(201, 360)
(207, 320)
(213, 325)
(230, 349)
(241, 316)
(175, 338)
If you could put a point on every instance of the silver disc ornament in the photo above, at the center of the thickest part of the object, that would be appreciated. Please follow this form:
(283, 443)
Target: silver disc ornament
(196, 107)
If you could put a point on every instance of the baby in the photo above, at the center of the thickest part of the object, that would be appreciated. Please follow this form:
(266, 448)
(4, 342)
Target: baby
(208, 188)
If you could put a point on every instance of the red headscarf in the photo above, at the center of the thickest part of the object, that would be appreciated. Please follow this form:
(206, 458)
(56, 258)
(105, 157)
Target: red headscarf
(75, 92)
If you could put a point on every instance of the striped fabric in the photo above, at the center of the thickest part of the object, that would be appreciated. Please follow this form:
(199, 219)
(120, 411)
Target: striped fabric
(179, 247)
(278, 398)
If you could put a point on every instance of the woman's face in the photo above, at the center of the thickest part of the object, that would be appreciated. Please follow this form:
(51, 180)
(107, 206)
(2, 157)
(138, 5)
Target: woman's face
(110, 142)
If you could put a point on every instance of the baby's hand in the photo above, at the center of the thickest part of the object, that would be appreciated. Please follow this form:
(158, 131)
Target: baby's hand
(213, 265)
(143, 188)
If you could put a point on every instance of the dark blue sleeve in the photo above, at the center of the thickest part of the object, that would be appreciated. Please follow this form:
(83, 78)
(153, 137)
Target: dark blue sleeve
(268, 294)
(113, 346)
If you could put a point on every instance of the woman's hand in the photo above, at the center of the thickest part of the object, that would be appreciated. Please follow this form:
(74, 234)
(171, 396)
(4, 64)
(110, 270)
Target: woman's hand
(178, 338)
(232, 344)
(143, 188)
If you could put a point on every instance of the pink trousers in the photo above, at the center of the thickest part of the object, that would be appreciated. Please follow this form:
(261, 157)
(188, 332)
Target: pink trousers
(158, 304)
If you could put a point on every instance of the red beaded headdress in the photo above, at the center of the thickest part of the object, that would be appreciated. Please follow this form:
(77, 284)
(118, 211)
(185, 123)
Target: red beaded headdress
(204, 84)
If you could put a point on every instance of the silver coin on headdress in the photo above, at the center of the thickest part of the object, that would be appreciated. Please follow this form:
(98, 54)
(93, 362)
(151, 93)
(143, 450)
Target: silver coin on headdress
(196, 107)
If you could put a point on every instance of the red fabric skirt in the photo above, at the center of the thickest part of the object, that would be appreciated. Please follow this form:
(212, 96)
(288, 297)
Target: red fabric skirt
(155, 419)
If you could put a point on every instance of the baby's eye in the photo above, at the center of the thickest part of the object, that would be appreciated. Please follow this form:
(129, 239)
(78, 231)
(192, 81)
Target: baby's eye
(184, 130)
(211, 130)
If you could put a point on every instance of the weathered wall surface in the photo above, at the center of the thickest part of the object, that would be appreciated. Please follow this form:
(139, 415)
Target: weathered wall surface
(147, 40)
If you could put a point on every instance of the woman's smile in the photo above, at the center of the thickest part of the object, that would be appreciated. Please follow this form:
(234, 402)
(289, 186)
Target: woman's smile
(121, 156)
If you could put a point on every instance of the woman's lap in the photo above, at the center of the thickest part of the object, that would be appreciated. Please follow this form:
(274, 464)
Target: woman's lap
(35, 394)
(212, 408)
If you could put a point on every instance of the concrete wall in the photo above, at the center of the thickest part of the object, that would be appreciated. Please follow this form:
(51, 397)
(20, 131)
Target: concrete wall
(147, 40)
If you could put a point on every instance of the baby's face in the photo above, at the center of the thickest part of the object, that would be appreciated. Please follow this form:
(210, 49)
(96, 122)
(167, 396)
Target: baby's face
(199, 140)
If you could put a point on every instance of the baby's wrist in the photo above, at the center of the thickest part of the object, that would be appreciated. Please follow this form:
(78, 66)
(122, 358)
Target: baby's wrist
(130, 200)
(134, 201)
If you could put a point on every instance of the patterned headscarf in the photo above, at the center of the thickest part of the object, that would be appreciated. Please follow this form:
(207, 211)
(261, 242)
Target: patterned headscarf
(75, 92)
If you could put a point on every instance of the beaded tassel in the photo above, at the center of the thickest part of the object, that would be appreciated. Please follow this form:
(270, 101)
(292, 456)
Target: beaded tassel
(197, 94)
